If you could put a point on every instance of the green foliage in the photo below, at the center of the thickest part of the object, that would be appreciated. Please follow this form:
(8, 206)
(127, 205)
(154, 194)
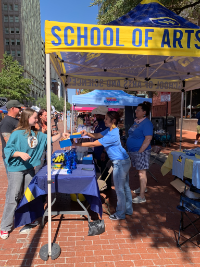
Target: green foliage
(55, 101)
(12, 83)
(85, 91)
(110, 10)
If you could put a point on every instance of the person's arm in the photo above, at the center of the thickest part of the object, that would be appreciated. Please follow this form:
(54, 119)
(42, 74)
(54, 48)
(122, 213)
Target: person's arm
(58, 136)
(23, 155)
(6, 136)
(145, 144)
(89, 144)
(93, 135)
(6, 130)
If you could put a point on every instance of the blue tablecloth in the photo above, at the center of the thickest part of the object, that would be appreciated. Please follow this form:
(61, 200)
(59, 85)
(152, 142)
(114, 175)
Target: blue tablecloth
(80, 181)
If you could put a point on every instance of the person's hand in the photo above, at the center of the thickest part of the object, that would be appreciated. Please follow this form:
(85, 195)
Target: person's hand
(83, 133)
(65, 135)
(24, 156)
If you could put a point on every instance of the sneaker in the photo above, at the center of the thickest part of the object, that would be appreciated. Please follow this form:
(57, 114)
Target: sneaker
(137, 191)
(138, 200)
(114, 217)
(26, 229)
(195, 142)
(4, 234)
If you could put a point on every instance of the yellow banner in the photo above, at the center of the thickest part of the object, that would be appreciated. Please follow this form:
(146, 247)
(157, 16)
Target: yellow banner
(73, 37)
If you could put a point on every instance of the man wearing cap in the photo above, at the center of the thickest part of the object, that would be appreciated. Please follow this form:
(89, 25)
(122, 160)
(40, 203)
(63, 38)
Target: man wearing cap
(9, 123)
(99, 154)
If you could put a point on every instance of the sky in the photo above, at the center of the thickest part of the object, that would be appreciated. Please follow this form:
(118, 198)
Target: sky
(75, 11)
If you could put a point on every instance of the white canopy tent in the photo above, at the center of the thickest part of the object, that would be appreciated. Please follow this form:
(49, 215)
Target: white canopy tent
(109, 98)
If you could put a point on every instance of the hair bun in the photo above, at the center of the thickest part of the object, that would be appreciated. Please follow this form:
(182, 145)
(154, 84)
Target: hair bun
(147, 103)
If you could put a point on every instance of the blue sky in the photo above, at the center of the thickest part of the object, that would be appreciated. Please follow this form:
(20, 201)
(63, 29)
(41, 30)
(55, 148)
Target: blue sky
(75, 11)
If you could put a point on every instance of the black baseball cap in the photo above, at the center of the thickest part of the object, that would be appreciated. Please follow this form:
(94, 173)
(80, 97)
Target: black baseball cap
(13, 104)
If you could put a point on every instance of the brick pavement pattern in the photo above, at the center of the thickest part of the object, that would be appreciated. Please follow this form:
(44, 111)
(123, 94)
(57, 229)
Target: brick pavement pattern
(147, 238)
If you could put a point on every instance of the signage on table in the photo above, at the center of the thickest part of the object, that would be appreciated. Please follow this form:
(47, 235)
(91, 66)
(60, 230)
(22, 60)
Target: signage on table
(123, 84)
(165, 97)
(74, 37)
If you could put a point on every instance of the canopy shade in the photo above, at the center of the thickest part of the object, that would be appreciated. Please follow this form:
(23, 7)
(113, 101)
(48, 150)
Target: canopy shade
(110, 98)
(157, 50)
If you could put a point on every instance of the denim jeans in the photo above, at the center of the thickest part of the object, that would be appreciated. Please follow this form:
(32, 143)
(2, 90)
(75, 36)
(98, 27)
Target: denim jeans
(17, 184)
(5, 166)
(122, 188)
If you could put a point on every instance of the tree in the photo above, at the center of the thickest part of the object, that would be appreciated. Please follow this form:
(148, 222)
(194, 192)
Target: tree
(55, 101)
(12, 83)
(110, 10)
(85, 91)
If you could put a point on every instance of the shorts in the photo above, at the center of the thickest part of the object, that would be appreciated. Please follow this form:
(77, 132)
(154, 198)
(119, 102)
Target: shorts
(140, 160)
(198, 129)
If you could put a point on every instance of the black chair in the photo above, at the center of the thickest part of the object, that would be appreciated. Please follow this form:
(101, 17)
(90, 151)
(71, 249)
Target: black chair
(187, 206)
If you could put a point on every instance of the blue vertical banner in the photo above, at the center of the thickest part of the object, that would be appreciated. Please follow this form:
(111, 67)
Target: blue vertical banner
(68, 120)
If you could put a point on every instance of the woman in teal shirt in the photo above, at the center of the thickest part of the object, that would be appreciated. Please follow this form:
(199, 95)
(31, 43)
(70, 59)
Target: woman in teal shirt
(110, 139)
(23, 152)
(138, 145)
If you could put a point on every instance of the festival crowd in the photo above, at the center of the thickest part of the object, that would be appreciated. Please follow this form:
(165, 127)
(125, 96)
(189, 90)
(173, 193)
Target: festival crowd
(24, 144)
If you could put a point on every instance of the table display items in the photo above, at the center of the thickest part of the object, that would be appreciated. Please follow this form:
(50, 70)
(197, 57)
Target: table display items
(67, 161)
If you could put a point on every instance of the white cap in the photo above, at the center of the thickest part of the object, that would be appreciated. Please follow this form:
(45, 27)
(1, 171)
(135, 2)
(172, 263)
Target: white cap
(101, 110)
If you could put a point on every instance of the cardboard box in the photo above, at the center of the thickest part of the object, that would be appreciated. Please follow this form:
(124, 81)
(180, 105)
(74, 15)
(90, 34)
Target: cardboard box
(87, 159)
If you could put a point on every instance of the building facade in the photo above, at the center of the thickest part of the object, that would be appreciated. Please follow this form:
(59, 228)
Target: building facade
(21, 35)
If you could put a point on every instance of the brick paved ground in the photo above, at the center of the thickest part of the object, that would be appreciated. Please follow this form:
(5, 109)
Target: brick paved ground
(147, 238)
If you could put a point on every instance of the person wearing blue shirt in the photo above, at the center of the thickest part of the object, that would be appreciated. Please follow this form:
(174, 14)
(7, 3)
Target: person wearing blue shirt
(23, 152)
(138, 145)
(198, 128)
(100, 113)
(110, 140)
(99, 152)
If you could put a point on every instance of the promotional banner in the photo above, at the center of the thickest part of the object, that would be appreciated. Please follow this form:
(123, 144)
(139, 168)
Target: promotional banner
(123, 84)
(73, 37)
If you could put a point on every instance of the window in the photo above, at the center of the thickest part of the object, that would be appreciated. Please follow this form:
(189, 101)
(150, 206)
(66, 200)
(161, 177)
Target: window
(7, 42)
(13, 53)
(19, 62)
(17, 42)
(5, 18)
(19, 53)
(12, 30)
(12, 41)
(11, 19)
(11, 7)
(5, 7)
(16, 19)
(16, 7)
(8, 52)
(7, 30)
(16, 30)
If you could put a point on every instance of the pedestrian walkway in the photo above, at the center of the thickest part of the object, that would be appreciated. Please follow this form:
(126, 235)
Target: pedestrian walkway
(147, 238)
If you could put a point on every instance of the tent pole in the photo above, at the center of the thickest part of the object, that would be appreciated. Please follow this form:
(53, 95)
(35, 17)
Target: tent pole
(182, 101)
(51, 249)
(48, 96)
(72, 117)
(64, 111)
(190, 104)
(185, 104)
